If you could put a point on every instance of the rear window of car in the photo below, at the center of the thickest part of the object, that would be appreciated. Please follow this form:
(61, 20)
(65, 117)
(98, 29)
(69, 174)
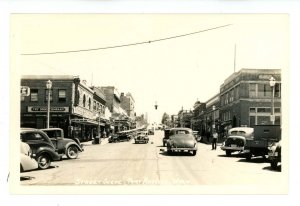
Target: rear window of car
(32, 136)
(173, 132)
(238, 132)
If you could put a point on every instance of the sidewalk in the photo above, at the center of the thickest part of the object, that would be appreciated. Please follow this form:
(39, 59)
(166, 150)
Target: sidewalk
(104, 141)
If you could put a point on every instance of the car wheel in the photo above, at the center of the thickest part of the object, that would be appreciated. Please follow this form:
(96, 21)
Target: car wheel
(274, 164)
(72, 152)
(44, 161)
(194, 152)
(228, 152)
(169, 152)
(248, 157)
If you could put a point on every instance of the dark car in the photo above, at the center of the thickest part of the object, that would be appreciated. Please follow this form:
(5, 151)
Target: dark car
(180, 140)
(274, 154)
(166, 136)
(236, 139)
(120, 137)
(141, 137)
(42, 148)
(64, 146)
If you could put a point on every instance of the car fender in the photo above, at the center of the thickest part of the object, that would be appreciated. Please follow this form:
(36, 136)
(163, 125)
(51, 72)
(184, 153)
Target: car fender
(72, 144)
(52, 154)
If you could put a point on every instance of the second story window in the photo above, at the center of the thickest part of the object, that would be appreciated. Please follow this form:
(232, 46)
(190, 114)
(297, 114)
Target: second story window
(34, 95)
(252, 90)
(83, 100)
(62, 95)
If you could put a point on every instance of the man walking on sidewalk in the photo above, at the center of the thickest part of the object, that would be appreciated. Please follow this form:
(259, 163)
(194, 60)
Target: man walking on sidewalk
(214, 140)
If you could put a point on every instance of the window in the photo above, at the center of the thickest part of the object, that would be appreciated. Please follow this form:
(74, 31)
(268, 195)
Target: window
(62, 95)
(252, 110)
(252, 90)
(83, 100)
(264, 110)
(22, 98)
(277, 90)
(277, 110)
(46, 94)
(231, 95)
(90, 103)
(264, 90)
(237, 95)
(95, 106)
(34, 95)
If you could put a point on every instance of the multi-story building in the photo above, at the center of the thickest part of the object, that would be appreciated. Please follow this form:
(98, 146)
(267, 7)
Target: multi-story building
(127, 103)
(246, 98)
(71, 105)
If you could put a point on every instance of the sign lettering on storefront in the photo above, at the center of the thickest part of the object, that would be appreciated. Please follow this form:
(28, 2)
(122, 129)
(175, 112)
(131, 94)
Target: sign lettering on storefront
(265, 76)
(44, 109)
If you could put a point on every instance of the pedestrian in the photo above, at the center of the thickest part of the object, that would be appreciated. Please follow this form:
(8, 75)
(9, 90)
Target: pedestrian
(214, 140)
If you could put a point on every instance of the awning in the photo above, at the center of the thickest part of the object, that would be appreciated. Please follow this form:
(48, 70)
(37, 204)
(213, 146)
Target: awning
(87, 122)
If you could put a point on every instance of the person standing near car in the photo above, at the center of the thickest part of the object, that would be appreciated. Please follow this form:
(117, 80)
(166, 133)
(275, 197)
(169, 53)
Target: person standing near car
(214, 140)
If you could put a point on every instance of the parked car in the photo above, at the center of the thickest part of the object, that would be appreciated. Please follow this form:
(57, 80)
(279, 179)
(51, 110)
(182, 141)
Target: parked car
(275, 154)
(141, 137)
(113, 138)
(197, 136)
(180, 140)
(27, 162)
(236, 139)
(42, 148)
(64, 146)
(166, 136)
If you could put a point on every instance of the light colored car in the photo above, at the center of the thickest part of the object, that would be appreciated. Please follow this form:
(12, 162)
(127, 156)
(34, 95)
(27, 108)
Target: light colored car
(180, 140)
(141, 137)
(27, 162)
(236, 139)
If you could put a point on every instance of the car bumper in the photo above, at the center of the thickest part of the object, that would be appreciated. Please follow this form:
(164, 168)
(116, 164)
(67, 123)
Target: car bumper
(141, 140)
(274, 156)
(29, 164)
(183, 148)
(234, 148)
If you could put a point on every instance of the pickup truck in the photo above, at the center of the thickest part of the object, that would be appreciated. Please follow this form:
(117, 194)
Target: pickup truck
(264, 137)
(64, 146)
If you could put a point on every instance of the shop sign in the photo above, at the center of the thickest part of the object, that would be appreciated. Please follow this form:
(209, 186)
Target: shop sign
(44, 109)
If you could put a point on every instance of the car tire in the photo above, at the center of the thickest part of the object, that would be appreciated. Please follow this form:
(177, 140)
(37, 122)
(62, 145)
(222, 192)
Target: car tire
(72, 152)
(274, 165)
(43, 161)
(194, 152)
(248, 157)
(228, 153)
(164, 144)
(169, 152)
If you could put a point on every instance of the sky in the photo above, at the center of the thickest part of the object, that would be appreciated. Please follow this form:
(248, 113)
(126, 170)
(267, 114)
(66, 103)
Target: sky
(175, 72)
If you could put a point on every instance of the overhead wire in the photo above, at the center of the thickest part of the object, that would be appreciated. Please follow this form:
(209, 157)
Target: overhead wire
(126, 45)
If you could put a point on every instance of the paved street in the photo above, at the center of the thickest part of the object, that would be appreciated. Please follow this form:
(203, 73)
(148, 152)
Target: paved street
(126, 163)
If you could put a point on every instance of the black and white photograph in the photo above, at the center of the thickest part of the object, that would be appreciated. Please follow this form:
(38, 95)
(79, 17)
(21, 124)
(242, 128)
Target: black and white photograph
(149, 103)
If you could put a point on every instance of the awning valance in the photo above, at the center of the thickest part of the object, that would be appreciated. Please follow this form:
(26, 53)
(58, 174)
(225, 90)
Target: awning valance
(87, 122)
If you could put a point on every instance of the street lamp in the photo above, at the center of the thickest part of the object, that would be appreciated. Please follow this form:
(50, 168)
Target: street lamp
(213, 108)
(48, 86)
(272, 85)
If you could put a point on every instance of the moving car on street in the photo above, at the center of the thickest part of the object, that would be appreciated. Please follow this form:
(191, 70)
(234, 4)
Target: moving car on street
(42, 148)
(236, 139)
(64, 146)
(27, 162)
(180, 140)
(141, 137)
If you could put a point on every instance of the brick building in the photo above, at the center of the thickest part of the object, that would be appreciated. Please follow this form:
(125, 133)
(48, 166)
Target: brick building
(245, 98)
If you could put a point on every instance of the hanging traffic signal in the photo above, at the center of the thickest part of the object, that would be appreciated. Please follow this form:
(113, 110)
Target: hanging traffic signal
(156, 105)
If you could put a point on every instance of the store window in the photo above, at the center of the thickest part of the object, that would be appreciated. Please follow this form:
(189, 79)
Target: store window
(34, 95)
(264, 110)
(252, 110)
(277, 90)
(90, 103)
(62, 95)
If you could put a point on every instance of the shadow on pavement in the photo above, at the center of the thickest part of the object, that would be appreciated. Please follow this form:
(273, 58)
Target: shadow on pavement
(178, 154)
(254, 160)
(160, 146)
(278, 169)
(24, 178)
(233, 155)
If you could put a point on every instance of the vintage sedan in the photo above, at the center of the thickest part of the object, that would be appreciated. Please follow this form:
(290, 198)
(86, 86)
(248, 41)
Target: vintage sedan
(42, 148)
(141, 137)
(180, 140)
(65, 146)
(236, 139)
(27, 162)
